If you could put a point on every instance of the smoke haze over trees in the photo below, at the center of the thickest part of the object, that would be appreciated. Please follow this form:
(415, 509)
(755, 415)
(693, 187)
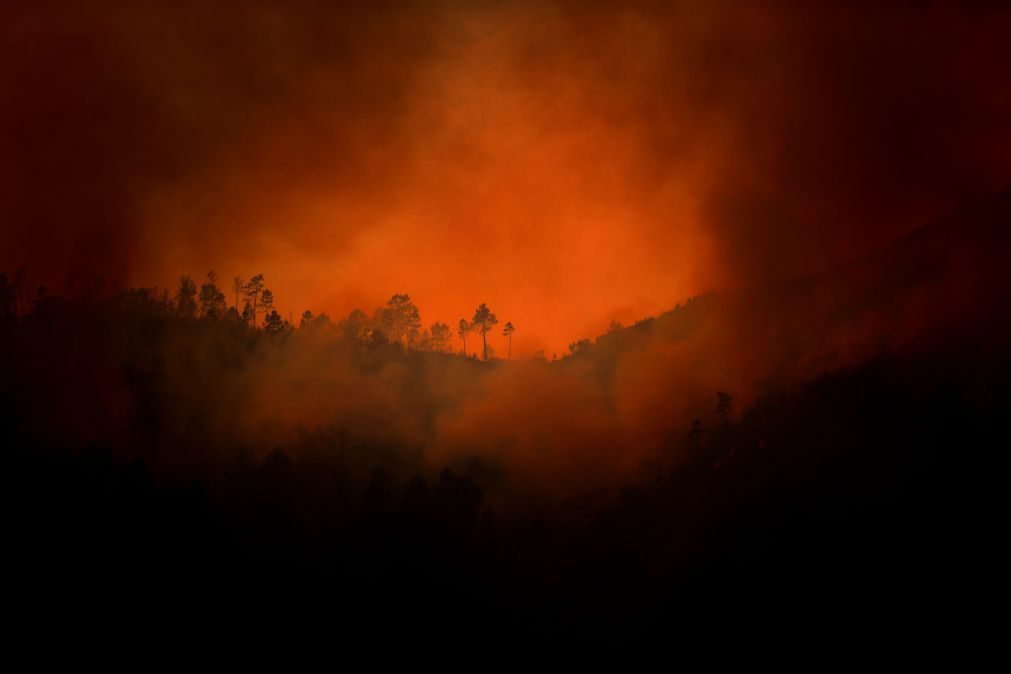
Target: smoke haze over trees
(555, 323)
(635, 153)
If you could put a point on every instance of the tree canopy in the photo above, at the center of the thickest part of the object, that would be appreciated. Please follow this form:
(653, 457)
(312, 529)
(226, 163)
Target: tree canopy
(484, 320)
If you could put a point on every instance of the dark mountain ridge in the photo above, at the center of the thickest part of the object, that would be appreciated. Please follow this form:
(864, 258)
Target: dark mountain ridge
(941, 286)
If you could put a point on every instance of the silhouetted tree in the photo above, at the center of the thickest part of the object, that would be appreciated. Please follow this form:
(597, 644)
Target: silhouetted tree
(321, 322)
(724, 406)
(306, 321)
(400, 319)
(212, 300)
(439, 334)
(252, 291)
(355, 326)
(186, 305)
(237, 286)
(273, 322)
(266, 303)
(484, 320)
(508, 331)
(579, 347)
(462, 330)
(247, 313)
(375, 338)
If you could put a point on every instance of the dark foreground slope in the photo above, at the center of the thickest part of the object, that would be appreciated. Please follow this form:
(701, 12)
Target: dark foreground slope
(938, 289)
(854, 493)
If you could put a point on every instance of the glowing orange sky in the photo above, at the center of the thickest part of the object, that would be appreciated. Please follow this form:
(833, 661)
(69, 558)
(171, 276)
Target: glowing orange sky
(515, 188)
(567, 164)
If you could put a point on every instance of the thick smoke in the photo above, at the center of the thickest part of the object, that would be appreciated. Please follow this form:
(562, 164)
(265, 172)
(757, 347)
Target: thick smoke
(569, 163)
(133, 374)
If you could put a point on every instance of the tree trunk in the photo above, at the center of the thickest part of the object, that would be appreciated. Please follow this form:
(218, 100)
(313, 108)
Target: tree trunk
(484, 343)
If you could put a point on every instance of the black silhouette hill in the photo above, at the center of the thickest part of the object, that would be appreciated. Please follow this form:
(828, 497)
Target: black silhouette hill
(940, 287)
(841, 470)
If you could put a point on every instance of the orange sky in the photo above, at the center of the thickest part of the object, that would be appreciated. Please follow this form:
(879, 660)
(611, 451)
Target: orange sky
(507, 183)
(565, 163)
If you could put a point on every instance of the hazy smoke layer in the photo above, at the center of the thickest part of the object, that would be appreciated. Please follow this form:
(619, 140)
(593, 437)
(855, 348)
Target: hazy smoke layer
(568, 163)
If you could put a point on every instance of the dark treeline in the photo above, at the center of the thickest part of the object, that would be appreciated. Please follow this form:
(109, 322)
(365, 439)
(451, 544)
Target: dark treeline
(164, 458)
(397, 323)
(845, 493)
